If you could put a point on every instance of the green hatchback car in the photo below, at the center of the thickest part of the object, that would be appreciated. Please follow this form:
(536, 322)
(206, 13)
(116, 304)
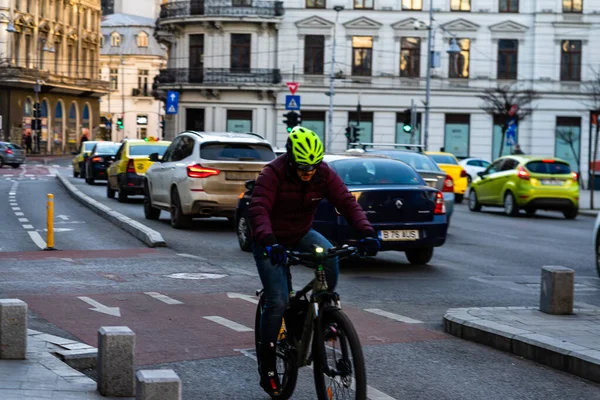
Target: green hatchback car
(529, 183)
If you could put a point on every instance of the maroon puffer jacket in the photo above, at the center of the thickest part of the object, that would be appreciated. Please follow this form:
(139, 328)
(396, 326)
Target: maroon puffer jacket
(284, 206)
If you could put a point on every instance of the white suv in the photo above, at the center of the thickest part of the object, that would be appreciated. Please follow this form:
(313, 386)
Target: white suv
(202, 174)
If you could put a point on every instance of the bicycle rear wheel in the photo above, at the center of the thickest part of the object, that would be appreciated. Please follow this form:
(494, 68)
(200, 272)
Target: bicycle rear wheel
(338, 345)
(287, 367)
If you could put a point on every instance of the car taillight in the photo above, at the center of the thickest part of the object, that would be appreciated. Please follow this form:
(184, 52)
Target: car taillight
(575, 176)
(440, 207)
(97, 159)
(9, 151)
(448, 184)
(463, 173)
(198, 171)
(130, 166)
(523, 173)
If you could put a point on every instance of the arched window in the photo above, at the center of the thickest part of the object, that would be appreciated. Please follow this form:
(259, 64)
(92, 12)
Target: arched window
(115, 39)
(102, 41)
(142, 39)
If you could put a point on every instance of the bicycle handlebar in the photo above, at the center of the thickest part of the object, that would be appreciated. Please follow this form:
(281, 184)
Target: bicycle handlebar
(296, 257)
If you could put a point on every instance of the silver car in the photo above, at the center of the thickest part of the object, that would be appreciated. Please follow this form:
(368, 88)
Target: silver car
(11, 154)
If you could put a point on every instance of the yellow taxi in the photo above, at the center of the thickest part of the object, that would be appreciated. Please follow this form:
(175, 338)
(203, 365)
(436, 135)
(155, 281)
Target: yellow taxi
(126, 173)
(449, 164)
(85, 148)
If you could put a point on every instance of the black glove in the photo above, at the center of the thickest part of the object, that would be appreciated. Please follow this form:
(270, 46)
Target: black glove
(369, 246)
(277, 254)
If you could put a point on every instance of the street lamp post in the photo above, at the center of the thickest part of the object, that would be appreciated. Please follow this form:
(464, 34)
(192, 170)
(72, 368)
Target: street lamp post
(36, 88)
(332, 80)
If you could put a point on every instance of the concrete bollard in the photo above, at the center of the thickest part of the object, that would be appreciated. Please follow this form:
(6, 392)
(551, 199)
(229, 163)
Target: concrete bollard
(13, 329)
(116, 369)
(158, 384)
(556, 294)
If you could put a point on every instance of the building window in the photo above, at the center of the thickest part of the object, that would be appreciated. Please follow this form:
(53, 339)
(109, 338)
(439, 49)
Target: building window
(70, 56)
(366, 125)
(456, 135)
(362, 55)
(84, 62)
(572, 6)
(27, 51)
(196, 60)
(459, 63)
(57, 54)
(240, 52)
(415, 5)
(101, 41)
(410, 56)
(366, 4)
(114, 79)
(412, 137)
(315, 3)
(315, 121)
(239, 121)
(142, 39)
(143, 80)
(567, 142)
(194, 119)
(509, 6)
(314, 54)
(57, 7)
(242, 3)
(460, 5)
(115, 39)
(570, 60)
(508, 54)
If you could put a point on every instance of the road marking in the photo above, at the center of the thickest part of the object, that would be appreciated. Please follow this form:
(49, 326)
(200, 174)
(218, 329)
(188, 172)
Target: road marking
(395, 317)
(63, 217)
(246, 297)
(195, 275)
(28, 226)
(229, 324)
(16, 208)
(191, 256)
(37, 239)
(99, 307)
(57, 230)
(19, 213)
(163, 298)
(23, 220)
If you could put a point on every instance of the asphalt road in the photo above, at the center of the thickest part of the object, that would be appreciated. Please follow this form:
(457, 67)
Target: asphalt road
(488, 260)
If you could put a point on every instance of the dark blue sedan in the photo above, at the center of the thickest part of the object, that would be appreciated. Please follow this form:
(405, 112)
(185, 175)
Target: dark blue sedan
(407, 214)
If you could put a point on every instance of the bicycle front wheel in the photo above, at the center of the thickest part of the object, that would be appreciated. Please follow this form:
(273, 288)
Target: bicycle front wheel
(339, 364)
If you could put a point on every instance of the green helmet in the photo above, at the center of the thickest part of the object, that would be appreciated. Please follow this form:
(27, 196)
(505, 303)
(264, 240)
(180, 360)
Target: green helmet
(304, 146)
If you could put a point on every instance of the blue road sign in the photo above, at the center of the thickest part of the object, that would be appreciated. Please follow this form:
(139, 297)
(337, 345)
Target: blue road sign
(172, 104)
(511, 132)
(292, 103)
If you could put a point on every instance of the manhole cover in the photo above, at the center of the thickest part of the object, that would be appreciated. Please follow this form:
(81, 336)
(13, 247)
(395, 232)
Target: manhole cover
(195, 275)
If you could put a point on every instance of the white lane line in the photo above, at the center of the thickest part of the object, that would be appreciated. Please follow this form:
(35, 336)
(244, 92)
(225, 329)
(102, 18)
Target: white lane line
(395, 317)
(191, 256)
(28, 226)
(37, 239)
(246, 297)
(23, 220)
(229, 324)
(16, 208)
(19, 213)
(63, 217)
(163, 298)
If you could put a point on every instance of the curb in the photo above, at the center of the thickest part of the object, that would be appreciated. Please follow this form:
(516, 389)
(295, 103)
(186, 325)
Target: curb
(565, 356)
(75, 354)
(149, 236)
(591, 213)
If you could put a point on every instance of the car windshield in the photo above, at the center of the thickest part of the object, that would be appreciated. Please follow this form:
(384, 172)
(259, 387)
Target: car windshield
(418, 161)
(236, 152)
(13, 146)
(88, 146)
(443, 159)
(146, 150)
(548, 167)
(370, 171)
(484, 163)
(107, 148)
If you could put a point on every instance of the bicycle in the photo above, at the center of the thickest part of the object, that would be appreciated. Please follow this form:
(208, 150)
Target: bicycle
(321, 322)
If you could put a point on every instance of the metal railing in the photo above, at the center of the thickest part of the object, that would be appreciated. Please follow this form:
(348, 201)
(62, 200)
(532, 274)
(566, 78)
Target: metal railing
(219, 76)
(222, 8)
(140, 92)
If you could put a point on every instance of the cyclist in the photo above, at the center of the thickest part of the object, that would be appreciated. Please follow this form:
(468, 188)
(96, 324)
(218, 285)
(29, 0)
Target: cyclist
(284, 200)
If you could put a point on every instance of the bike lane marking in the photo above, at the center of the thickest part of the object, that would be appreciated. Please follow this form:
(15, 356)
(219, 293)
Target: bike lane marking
(162, 297)
(229, 324)
(395, 317)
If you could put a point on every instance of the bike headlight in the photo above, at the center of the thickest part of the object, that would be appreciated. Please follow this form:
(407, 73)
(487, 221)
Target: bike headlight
(319, 250)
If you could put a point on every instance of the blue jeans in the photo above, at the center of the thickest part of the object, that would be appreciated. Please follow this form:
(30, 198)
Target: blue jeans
(274, 281)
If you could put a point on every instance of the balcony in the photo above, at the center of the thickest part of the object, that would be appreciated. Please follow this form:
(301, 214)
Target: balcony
(140, 92)
(218, 77)
(221, 8)
(25, 77)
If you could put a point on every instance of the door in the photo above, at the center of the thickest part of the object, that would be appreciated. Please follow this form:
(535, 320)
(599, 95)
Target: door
(485, 186)
(113, 170)
(178, 173)
(501, 179)
(160, 186)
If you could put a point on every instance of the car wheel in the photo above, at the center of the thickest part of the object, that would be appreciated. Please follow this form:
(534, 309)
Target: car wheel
(243, 234)
(149, 211)
(15, 166)
(571, 213)
(110, 193)
(178, 219)
(81, 170)
(474, 204)
(458, 198)
(89, 181)
(122, 196)
(510, 205)
(530, 211)
(75, 174)
(419, 256)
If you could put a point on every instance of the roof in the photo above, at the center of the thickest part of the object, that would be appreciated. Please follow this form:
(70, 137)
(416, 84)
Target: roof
(138, 142)
(129, 26)
(125, 20)
(230, 136)
(525, 158)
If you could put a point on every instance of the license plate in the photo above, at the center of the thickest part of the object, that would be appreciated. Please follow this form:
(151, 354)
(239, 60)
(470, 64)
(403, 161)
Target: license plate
(552, 182)
(404, 235)
(431, 183)
(140, 167)
(240, 176)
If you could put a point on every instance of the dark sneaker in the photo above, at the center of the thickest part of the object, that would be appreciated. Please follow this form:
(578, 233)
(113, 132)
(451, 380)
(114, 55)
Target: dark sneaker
(269, 378)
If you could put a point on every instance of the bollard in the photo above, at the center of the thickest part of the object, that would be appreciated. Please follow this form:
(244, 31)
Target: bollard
(556, 294)
(116, 374)
(13, 329)
(50, 223)
(158, 384)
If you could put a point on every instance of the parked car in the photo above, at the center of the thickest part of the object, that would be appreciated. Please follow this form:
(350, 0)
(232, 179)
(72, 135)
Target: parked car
(80, 156)
(11, 154)
(126, 173)
(596, 243)
(96, 164)
(407, 214)
(449, 164)
(202, 174)
(473, 166)
(527, 182)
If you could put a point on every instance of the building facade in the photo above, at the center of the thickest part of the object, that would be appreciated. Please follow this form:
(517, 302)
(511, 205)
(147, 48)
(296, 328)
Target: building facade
(54, 43)
(381, 61)
(130, 59)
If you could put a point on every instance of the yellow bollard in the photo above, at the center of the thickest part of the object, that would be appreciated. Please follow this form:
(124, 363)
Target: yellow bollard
(50, 230)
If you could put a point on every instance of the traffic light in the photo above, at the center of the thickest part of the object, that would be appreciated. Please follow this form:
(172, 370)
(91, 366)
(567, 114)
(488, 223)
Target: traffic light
(407, 127)
(37, 111)
(291, 120)
(120, 124)
(356, 134)
(349, 135)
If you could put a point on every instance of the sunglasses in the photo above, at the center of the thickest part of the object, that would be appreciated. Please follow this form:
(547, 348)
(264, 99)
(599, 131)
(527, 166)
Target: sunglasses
(306, 168)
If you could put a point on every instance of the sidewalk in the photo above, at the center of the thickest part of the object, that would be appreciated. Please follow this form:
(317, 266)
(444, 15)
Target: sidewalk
(584, 202)
(43, 376)
(570, 343)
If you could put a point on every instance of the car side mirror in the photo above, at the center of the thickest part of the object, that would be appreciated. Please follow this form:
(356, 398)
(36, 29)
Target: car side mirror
(250, 185)
(481, 174)
(154, 157)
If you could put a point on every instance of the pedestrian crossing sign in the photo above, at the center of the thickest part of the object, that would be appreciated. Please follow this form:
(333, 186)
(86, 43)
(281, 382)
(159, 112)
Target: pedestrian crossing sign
(292, 103)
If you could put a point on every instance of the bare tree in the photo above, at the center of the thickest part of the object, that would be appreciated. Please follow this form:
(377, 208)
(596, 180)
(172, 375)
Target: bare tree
(499, 101)
(592, 89)
(571, 139)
